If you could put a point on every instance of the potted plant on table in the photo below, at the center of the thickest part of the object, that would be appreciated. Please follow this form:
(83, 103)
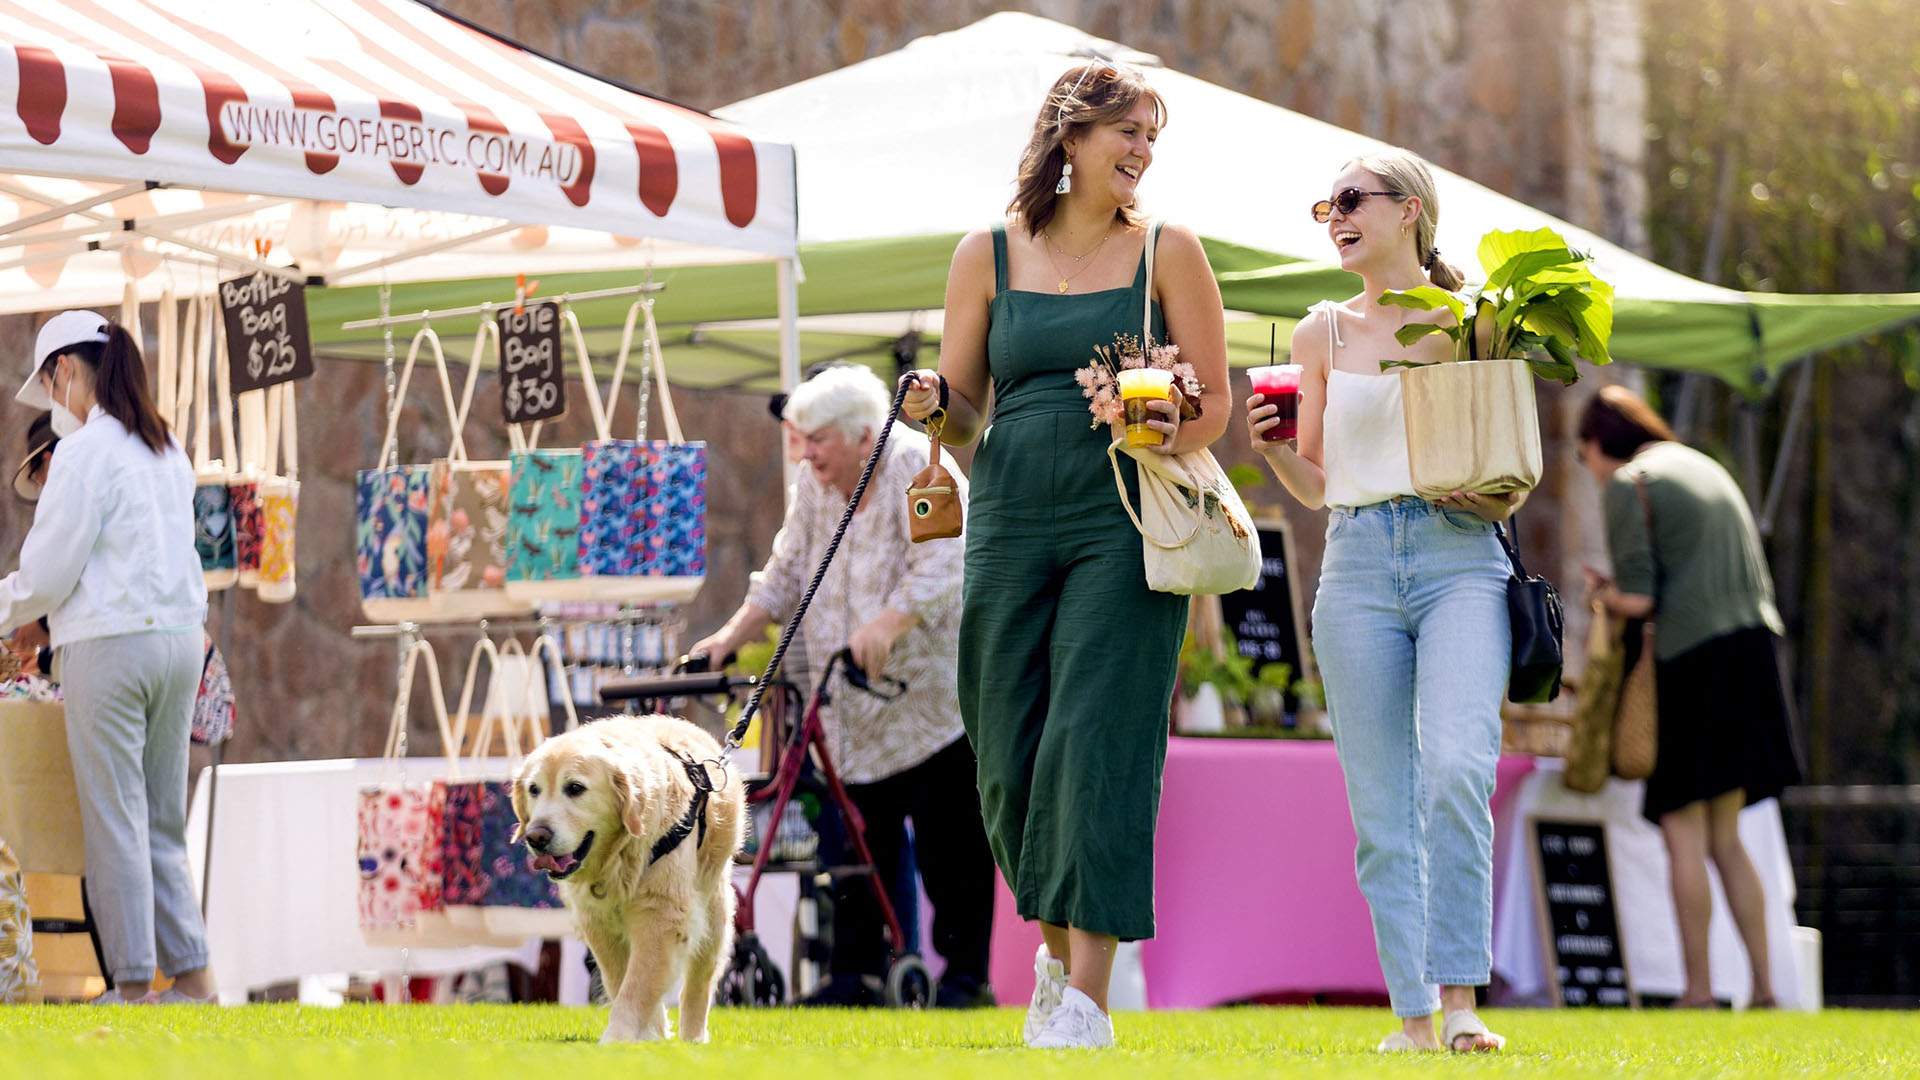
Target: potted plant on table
(1214, 687)
(1472, 424)
(1267, 704)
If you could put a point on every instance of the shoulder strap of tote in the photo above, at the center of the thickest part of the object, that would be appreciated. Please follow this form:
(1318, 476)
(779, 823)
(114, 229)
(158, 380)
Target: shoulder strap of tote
(1147, 470)
(1146, 289)
(216, 357)
(397, 722)
(1653, 544)
(389, 447)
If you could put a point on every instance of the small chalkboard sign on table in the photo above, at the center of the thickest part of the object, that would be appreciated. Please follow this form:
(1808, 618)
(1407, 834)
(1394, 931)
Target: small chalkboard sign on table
(266, 324)
(1268, 621)
(1580, 931)
(532, 386)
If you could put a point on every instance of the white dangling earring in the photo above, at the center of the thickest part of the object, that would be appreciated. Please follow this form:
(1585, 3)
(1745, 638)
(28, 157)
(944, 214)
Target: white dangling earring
(1066, 180)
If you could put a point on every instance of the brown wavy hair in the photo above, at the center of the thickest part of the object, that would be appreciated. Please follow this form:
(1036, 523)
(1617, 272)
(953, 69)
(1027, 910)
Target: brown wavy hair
(1622, 422)
(1105, 93)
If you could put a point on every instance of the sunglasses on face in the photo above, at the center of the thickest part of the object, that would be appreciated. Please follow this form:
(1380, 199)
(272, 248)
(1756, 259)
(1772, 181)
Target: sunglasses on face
(1346, 202)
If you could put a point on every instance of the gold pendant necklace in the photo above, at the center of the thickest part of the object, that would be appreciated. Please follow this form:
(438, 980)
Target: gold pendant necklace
(1066, 278)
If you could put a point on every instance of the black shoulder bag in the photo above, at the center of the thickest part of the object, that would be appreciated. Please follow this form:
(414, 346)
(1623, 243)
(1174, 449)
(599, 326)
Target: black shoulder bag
(1533, 610)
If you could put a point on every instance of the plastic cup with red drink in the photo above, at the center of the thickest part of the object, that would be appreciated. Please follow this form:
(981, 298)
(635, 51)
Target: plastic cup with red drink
(1279, 384)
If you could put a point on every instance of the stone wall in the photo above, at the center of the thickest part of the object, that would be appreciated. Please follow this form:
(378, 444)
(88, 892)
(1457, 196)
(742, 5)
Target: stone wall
(1541, 101)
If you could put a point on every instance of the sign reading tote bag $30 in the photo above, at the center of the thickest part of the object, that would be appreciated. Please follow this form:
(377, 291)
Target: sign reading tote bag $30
(643, 518)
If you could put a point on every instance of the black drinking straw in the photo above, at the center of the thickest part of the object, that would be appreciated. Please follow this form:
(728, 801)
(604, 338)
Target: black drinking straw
(1273, 337)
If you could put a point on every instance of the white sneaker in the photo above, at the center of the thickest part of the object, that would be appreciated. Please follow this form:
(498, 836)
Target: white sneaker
(1078, 1024)
(1049, 982)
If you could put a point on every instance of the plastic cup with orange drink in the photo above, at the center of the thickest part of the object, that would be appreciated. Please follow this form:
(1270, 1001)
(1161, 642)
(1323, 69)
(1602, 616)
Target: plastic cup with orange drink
(1138, 386)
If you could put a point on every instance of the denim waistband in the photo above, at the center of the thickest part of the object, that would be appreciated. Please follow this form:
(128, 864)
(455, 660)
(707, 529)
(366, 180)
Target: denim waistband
(1399, 504)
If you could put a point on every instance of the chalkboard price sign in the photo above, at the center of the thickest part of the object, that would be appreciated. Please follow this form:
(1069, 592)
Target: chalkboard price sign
(531, 385)
(266, 321)
(1264, 619)
(1580, 926)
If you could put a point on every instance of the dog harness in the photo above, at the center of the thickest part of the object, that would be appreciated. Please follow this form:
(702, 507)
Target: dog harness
(694, 819)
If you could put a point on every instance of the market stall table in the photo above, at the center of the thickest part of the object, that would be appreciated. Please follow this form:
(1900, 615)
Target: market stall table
(1254, 883)
(1638, 861)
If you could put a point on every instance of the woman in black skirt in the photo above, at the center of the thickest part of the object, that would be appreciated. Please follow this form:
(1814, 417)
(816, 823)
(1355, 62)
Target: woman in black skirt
(1685, 552)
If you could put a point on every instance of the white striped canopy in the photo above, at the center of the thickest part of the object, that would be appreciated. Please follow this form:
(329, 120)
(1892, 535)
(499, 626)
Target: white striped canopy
(348, 142)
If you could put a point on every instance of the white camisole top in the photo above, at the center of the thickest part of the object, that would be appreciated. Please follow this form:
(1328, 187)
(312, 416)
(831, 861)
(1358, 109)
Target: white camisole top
(1364, 435)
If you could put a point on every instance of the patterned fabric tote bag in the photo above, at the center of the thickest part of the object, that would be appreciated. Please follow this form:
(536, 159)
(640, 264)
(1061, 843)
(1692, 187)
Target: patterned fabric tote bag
(543, 516)
(213, 512)
(643, 503)
(394, 837)
(390, 504)
(523, 902)
(279, 498)
(467, 520)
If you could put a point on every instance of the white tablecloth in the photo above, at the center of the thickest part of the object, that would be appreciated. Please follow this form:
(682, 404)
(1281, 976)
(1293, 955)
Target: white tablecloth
(286, 879)
(1638, 860)
(286, 882)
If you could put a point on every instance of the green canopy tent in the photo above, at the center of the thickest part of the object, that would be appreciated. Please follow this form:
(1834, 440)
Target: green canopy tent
(899, 155)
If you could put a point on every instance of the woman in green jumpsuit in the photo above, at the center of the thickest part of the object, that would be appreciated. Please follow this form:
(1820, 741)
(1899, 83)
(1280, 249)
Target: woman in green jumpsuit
(1067, 659)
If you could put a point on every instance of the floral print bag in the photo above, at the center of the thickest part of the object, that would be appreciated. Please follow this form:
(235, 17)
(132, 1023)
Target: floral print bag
(214, 519)
(643, 503)
(279, 499)
(467, 520)
(390, 505)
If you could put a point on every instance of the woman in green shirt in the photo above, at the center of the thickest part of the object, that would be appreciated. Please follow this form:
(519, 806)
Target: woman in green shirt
(1685, 552)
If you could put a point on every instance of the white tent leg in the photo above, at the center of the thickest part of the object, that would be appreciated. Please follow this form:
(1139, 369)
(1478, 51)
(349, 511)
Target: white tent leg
(787, 272)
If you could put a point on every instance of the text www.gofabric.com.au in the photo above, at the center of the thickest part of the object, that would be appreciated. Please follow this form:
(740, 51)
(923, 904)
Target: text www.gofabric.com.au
(404, 141)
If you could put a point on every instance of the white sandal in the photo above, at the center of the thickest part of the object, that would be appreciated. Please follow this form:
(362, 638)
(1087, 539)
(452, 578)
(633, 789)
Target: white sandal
(1465, 1023)
(1399, 1043)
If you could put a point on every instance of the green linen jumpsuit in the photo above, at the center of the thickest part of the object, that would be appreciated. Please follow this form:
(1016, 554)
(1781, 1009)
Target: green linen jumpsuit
(1067, 659)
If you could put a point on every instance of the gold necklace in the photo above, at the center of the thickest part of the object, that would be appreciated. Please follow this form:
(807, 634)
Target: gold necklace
(1066, 278)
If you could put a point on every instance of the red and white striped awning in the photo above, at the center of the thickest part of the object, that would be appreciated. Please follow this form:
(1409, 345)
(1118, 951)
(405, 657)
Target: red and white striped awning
(351, 140)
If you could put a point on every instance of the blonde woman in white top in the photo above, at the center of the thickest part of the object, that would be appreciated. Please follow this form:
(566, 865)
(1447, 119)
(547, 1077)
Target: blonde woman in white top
(110, 561)
(1410, 622)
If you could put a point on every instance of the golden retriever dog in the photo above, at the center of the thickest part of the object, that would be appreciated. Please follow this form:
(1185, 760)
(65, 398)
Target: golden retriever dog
(594, 805)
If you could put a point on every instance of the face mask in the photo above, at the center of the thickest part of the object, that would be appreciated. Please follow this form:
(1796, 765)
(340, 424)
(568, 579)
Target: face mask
(64, 422)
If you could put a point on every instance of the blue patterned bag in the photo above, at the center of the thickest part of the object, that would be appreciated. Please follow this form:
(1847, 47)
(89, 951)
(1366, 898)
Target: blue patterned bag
(643, 503)
(390, 511)
(543, 522)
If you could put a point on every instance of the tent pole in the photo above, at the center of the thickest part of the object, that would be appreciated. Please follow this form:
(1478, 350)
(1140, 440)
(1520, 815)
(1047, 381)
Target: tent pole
(1789, 442)
(58, 212)
(335, 276)
(787, 273)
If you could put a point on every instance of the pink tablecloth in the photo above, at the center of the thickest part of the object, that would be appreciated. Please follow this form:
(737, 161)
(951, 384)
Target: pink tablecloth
(1254, 881)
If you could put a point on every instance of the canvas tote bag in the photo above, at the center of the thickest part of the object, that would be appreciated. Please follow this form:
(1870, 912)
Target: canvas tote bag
(467, 518)
(543, 519)
(213, 517)
(279, 497)
(1196, 534)
(390, 505)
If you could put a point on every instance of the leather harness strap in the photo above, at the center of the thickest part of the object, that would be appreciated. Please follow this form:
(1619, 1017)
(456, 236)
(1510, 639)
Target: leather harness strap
(694, 819)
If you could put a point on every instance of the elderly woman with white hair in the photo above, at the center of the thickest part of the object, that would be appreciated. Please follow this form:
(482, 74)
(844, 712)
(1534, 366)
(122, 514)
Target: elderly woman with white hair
(896, 606)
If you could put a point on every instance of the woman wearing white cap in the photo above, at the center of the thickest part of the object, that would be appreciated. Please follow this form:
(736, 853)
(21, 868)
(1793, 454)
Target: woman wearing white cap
(110, 561)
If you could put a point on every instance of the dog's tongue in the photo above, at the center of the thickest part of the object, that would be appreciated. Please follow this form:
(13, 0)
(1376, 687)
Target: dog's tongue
(558, 864)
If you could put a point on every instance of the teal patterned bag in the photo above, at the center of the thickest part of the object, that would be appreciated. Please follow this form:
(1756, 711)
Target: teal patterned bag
(543, 518)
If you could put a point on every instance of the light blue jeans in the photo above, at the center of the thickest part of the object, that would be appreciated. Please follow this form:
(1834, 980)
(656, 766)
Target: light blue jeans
(1410, 630)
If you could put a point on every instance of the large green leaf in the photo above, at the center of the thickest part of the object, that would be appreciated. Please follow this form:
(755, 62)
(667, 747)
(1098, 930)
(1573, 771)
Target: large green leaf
(1413, 332)
(1501, 249)
(1426, 298)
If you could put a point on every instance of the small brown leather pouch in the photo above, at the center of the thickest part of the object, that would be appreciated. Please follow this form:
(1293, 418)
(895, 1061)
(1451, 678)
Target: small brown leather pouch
(933, 502)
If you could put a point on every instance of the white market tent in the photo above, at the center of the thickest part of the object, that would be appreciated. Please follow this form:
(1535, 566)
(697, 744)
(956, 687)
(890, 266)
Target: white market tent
(172, 142)
(901, 154)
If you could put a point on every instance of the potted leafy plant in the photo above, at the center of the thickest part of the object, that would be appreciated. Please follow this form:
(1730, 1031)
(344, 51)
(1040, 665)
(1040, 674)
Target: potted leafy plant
(1313, 707)
(1214, 687)
(1267, 704)
(1472, 424)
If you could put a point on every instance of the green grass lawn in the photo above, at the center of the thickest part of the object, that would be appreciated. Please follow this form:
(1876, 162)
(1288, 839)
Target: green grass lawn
(271, 1042)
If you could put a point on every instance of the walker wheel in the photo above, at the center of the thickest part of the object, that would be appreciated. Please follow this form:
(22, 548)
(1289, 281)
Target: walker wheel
(909, 984)
(751, 978)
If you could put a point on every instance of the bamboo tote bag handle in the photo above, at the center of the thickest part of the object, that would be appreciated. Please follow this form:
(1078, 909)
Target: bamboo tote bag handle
(1196, 535)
